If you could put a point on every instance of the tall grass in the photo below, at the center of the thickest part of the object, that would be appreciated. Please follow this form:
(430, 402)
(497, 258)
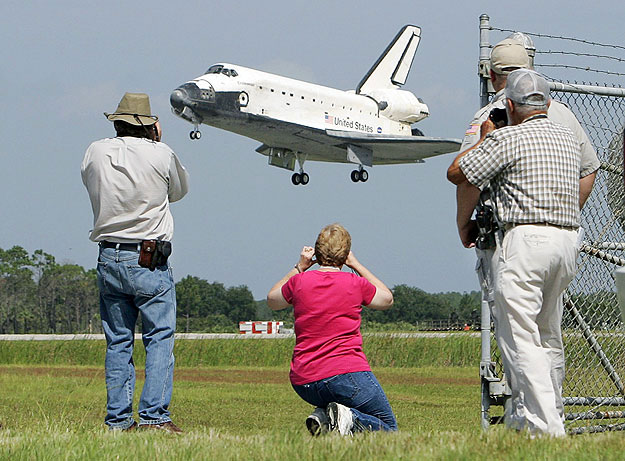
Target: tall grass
(456, 349)
(251, 413)
(384, 351)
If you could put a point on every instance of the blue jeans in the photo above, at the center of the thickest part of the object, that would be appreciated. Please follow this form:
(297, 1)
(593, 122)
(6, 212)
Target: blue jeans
(125, 290)
(359, 391)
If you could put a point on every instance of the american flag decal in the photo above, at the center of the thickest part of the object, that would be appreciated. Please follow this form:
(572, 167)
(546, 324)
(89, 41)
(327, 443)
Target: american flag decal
(473, 129)
(329, 119)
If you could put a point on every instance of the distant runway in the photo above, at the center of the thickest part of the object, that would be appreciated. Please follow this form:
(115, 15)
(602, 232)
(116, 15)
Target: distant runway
(424, 334)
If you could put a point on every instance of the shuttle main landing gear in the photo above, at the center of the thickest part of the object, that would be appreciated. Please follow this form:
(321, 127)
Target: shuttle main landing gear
(359, 175)
(301, 177)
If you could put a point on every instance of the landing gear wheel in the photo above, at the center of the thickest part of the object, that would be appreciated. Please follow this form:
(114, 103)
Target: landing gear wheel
(195, 134)
(300, 178)
(355, 176)
(364, 175)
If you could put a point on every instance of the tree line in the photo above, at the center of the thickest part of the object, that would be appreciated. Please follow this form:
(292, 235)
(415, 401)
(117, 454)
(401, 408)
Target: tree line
(39, 295)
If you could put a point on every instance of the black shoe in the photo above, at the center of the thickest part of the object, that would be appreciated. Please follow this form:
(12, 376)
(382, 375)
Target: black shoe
(317, 423)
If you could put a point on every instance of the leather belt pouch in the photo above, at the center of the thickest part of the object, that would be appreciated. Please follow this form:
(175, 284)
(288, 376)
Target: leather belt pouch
(154, 253)
(146, 255)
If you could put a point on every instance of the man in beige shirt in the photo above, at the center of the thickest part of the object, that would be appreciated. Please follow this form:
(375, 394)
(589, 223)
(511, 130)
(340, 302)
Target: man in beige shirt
(131, 180)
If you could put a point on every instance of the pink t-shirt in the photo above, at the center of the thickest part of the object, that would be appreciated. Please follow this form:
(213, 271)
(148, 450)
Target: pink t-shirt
(327, 309)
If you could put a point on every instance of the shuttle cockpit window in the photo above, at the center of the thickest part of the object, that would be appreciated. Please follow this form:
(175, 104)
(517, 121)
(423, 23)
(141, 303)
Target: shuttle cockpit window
(219, 69)
(215, 69)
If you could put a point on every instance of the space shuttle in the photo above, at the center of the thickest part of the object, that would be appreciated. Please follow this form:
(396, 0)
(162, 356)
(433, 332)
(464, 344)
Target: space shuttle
(296, 121)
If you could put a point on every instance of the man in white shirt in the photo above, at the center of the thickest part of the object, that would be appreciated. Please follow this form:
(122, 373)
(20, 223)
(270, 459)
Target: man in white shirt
(131, 180)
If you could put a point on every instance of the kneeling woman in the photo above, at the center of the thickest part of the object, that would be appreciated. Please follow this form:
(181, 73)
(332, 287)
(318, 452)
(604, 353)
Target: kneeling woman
(329, 368)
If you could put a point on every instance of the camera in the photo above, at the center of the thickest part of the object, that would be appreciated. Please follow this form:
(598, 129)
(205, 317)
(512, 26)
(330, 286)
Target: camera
(486, 225)
(498, 117)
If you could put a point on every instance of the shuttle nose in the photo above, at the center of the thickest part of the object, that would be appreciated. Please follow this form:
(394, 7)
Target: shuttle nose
(177, 99)
(187, 95)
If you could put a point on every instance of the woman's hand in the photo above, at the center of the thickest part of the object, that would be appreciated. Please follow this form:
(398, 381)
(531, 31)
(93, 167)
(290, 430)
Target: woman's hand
(306, 258)
(351, 260)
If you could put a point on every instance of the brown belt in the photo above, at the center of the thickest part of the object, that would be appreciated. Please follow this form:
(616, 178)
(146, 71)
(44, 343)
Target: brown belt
(511, 225)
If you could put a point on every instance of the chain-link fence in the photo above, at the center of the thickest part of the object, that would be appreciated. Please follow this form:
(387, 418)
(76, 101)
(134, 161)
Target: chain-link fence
(594, 338)
(592, 326)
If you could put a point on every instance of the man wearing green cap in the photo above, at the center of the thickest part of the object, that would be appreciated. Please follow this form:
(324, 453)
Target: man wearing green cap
(131, 180)
(508, 55)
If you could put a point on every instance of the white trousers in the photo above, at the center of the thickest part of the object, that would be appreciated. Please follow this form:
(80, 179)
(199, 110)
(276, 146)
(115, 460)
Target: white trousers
(531, 269)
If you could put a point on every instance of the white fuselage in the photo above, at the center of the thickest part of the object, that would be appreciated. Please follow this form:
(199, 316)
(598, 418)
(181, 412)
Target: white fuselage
(300, 103)
(298, 121)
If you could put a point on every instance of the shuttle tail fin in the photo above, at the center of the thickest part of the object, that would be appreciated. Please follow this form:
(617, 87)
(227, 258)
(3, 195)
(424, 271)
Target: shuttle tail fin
(391, 69)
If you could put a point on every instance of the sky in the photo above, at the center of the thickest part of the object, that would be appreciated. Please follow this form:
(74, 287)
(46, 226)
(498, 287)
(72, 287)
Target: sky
(243, 222)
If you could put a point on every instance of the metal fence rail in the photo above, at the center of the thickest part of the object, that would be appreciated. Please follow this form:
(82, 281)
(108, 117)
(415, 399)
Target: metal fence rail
(593, 390)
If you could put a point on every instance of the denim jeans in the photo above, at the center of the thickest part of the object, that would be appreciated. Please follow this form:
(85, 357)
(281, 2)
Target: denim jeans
(125, 290)
(359, 391)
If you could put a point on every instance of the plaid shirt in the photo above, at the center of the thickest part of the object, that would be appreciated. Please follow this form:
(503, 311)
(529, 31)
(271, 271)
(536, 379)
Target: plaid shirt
(533, 169)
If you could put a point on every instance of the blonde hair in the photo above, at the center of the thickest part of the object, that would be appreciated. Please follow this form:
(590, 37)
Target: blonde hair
(332, 245)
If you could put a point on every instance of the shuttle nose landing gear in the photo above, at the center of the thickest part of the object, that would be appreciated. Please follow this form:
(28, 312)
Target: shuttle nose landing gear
(360, 175)
(195, 134)
(300, 178)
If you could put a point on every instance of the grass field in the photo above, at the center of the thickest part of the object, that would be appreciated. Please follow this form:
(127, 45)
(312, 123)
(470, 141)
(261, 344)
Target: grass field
(55, 411)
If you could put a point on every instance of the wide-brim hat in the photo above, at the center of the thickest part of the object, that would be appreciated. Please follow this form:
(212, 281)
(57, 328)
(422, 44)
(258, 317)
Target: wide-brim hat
(134, 108)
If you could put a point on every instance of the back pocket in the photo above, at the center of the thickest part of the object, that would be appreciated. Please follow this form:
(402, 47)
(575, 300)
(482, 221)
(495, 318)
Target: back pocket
(149, 283)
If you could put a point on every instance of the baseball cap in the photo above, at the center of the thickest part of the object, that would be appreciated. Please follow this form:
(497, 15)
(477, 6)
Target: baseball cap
(522, 38)
(528, 87)
(508, 55)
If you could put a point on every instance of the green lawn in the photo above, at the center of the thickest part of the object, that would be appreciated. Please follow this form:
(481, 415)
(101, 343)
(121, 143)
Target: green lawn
(252, 413)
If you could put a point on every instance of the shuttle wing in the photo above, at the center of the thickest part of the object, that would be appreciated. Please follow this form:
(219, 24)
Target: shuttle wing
(388, 150)
(391, 69)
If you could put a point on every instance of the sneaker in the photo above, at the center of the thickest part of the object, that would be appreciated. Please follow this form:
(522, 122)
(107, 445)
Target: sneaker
(165, 427)
(318, 423)
(341, 418)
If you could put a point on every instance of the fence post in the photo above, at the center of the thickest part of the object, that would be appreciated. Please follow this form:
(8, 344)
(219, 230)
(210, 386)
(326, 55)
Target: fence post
(484, 63)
